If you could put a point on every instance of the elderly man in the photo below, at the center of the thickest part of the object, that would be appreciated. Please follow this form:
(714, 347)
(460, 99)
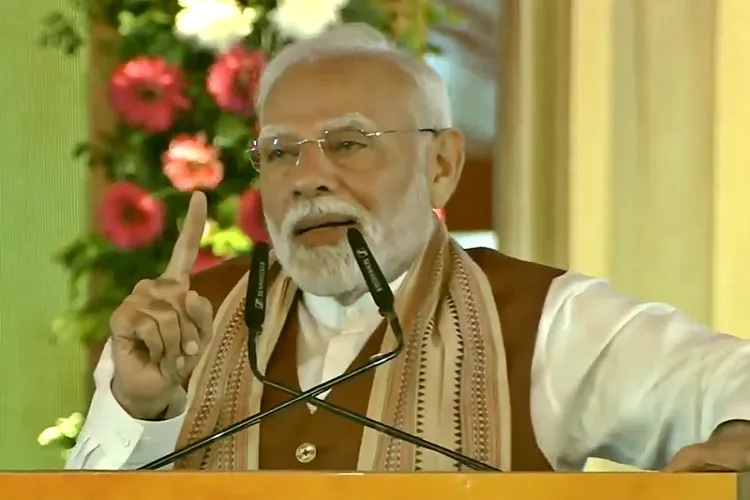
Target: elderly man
(517, 365)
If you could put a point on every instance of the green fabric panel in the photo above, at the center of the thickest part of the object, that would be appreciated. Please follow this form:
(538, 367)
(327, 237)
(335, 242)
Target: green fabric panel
(43, 205)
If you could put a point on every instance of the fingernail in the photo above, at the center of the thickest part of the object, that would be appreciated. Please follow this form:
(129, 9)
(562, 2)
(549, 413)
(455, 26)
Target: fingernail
(191, 348)
(180, 363)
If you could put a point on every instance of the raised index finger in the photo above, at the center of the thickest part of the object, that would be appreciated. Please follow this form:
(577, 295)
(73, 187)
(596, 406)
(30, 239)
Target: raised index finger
(189, 242)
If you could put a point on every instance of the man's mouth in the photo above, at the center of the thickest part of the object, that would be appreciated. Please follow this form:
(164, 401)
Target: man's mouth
(322, 222)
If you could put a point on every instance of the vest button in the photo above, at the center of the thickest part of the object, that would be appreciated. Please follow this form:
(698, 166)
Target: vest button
(306, 453)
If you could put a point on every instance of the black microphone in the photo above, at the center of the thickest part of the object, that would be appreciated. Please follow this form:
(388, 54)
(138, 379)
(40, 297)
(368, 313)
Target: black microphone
(383, 298)
(373, 275)
(257, 288)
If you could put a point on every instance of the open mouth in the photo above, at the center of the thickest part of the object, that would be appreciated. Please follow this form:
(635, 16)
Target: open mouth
(323, 222)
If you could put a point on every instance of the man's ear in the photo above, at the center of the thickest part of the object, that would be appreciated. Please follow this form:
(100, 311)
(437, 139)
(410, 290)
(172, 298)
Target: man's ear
(446, 163)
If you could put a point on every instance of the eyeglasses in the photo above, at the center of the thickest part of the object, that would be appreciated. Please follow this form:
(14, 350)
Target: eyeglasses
(346, 147)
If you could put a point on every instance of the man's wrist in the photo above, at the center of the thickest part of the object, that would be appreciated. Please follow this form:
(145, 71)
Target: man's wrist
(157, 418)
(154, 409)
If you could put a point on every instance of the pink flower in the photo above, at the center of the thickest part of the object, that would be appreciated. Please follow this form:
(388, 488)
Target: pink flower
(147, 92)
(191, 164)
(440, 212)
(233, 79)
(130, 217)
(206, 260)
(250, 217)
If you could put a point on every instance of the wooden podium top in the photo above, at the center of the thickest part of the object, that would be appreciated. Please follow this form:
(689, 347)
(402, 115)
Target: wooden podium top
(83, 485)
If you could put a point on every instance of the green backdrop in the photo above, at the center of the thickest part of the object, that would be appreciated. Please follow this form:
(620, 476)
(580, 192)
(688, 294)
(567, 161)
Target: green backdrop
(43, 204)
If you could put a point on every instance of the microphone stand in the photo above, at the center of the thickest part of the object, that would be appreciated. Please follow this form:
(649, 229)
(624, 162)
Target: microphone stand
(383, 297)
(361, 419)
(374, 362)
(254, 314)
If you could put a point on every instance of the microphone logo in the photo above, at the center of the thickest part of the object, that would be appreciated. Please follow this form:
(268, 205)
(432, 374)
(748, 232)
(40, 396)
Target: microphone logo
(255, 297)
(260, 292)
(363, 256)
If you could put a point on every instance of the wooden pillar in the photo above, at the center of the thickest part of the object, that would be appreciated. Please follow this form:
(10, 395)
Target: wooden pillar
(102, 122)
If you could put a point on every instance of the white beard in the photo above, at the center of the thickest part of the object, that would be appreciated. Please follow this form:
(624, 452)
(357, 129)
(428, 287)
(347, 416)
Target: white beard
(396, 236)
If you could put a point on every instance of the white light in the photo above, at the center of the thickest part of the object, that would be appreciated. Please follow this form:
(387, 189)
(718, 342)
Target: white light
(474, 239)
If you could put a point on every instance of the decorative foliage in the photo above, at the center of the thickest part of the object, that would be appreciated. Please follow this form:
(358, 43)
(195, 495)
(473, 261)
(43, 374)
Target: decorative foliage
(63, 434)
(183, 95)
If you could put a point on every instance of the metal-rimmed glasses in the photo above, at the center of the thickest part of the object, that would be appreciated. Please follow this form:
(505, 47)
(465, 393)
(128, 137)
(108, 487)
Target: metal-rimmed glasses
(346, 147)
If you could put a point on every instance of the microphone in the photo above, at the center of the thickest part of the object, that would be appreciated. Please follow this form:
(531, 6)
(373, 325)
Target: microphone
(383, 298)
(257, 288)
(254, 318)
(373, 275)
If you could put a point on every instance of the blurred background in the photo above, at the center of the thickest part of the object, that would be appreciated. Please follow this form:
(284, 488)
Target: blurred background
(605, 136)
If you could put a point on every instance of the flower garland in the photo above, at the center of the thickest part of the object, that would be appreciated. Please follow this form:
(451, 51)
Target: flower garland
(183, 94)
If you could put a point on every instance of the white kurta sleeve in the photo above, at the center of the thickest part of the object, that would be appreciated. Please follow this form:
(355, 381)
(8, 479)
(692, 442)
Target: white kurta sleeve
(627, 381)
(111, 439)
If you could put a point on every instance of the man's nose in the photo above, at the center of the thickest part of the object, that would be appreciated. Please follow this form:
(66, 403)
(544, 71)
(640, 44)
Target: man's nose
(314, 174)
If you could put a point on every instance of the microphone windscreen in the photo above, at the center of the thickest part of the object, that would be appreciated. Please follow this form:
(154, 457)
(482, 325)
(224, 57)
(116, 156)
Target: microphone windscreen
(373, 275)
(257, 288)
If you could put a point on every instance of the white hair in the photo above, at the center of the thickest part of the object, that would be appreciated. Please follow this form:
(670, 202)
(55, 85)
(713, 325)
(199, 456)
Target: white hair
(361, 39)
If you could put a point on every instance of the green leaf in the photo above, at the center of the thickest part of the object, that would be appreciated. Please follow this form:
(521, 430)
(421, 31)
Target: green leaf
(434, 49)
(230, 242)
(365, 11)
(128, 162)
(126, 23)
(128, 166)
(231, 131)
(226, 211)
(68, 255)
(414, 40)
(81, 326)
(160, 17)
(174, 54)
(434, 14)
(136, 139)
(96, 10)
(61, 32)
(82, 151)
(270, 39)
(134, 4)
(454, 17)
(66, 443)
(164, 45)
(80, 258)
(439, 13)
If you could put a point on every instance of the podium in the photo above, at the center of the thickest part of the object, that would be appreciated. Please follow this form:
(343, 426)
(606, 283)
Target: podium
(86, 485)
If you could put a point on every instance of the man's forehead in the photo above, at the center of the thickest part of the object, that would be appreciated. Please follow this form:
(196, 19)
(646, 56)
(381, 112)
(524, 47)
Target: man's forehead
(356, 120)
(313, 95)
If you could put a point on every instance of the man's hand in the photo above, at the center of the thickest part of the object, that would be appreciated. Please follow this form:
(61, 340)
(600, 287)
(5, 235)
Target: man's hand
(160, 331)
(728, 449)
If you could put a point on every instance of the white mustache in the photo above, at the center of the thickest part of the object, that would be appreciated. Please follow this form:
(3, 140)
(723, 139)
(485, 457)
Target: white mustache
(321, 206)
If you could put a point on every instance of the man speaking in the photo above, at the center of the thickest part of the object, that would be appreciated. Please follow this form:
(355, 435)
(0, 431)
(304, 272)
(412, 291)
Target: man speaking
(513, 364)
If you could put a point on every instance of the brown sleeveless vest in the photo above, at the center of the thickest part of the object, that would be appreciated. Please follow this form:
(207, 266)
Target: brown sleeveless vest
(288, 439)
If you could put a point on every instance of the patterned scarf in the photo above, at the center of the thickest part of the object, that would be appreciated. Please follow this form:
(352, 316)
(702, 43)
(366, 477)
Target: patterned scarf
(448, 386)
